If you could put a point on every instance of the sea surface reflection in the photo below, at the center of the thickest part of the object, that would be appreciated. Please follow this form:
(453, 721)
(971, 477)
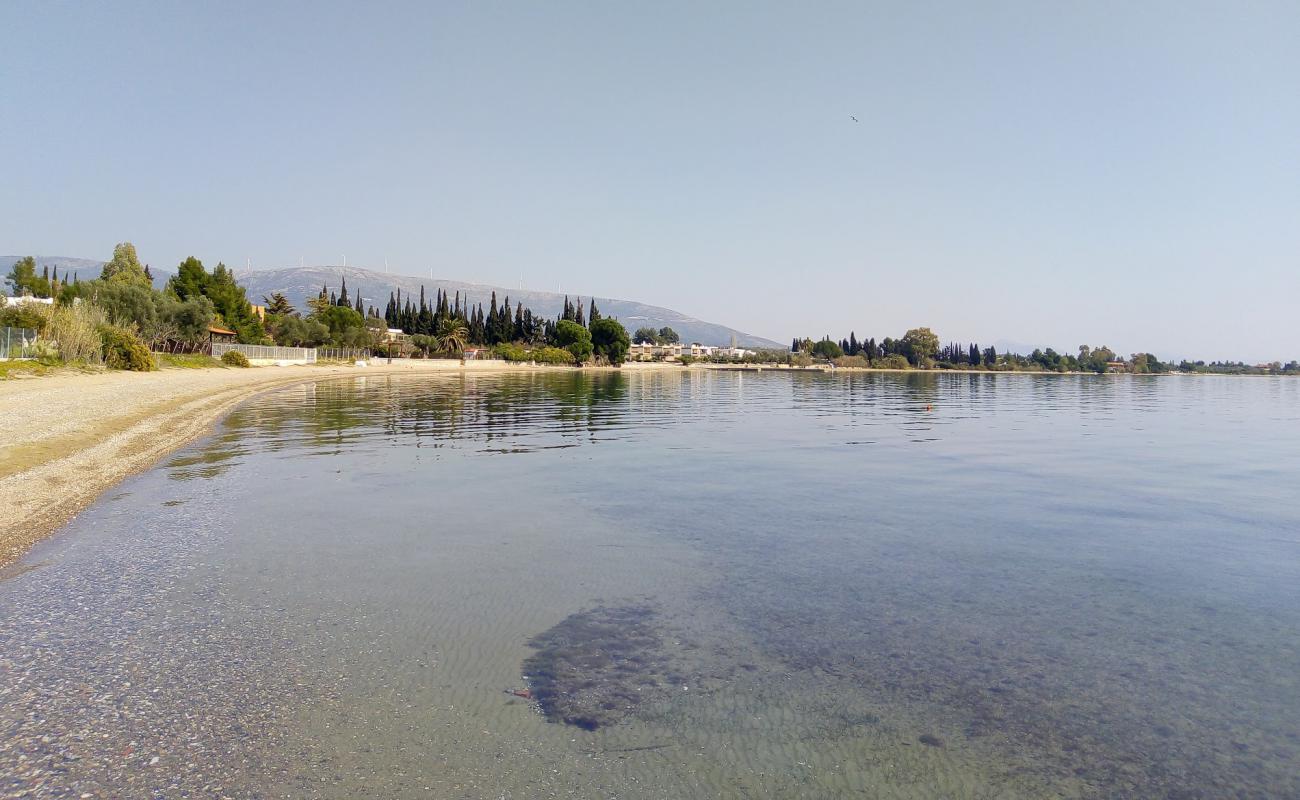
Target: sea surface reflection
(687, 583)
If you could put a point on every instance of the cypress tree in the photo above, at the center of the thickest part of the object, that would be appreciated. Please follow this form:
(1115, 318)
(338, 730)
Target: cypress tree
(361, 309)
(424, 324)
(593, 315)
(343, 294)
(578, 318)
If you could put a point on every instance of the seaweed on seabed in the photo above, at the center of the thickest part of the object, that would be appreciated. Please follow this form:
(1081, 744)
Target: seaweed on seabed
(595, 667)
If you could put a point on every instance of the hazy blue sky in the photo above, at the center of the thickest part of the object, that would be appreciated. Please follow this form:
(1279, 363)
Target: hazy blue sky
(1122, 173)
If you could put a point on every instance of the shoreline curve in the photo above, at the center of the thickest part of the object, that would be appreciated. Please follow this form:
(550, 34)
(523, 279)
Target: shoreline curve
(67, 439)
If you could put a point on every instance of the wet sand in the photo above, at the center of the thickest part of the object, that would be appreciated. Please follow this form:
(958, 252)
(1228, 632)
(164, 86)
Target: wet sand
(67, 438)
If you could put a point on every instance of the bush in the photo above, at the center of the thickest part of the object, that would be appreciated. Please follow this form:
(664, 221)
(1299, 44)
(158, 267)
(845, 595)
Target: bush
(895, 362)
(855, 362)
(124, 350)
(552, 355)
(234, 358)
(25, 315)
(511, 352)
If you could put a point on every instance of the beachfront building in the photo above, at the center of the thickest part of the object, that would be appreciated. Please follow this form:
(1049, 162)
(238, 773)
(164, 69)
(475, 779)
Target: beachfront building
(702, 350)
(649, 351)
(733, 352)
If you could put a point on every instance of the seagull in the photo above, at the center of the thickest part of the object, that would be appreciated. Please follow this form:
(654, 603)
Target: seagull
(855, 119)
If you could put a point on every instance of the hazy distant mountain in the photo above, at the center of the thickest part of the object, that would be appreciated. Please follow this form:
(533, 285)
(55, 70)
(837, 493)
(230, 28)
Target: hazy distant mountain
(299, 283)
(85, 269)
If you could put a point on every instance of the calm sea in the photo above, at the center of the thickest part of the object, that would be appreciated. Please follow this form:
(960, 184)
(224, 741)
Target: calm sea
(681, 584)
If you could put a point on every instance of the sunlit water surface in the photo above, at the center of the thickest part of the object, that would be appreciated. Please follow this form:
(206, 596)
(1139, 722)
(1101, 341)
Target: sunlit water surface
(729, 584)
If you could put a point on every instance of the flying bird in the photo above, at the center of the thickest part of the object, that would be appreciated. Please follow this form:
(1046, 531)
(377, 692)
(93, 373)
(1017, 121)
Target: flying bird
(855, 119)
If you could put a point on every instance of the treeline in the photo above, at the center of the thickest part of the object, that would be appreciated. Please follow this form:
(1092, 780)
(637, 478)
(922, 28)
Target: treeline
(485, 327)
(122, 311)
(181, 317)
(446, 325)
(920, 348)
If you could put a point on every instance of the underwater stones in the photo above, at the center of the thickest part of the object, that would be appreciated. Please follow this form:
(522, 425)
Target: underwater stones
(596, 667)
(930, 740)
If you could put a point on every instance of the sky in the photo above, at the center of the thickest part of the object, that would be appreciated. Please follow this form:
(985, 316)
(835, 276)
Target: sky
(1122, 173)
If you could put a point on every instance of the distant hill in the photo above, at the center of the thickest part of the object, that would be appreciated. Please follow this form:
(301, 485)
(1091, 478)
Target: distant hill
(299, 283)
(84, 268)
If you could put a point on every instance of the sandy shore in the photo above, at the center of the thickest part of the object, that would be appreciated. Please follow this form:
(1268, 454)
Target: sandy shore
(64, 439)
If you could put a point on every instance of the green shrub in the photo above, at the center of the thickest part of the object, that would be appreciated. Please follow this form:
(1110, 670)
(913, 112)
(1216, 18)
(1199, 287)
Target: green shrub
(234, 358)
(856, 362)
(25, 315)
(124, 350)
(511, 352)
(552, 355)
(895, 362)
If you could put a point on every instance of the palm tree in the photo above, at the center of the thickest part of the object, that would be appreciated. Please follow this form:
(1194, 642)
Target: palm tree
(452, 336)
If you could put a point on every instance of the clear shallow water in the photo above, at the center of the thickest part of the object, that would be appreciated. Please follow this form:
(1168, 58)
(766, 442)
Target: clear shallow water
(809, 586)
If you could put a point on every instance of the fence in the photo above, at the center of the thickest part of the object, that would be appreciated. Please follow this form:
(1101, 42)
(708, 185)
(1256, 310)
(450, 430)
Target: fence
(342, 354)
(257, 352)
(17, 343)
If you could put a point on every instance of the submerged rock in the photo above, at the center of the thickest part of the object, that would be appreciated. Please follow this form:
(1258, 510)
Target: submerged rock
(595, 667)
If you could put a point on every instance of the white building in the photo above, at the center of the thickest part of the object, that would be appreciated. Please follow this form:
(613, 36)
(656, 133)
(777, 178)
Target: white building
(18, 301)
(649, 351)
